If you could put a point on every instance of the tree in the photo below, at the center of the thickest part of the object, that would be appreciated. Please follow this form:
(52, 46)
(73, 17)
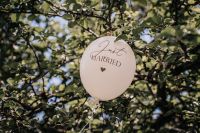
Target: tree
(41, 43)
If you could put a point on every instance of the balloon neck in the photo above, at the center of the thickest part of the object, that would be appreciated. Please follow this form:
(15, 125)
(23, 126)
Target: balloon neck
(93, 103)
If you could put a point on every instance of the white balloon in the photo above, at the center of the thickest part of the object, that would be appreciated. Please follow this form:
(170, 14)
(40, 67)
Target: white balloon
(107, 68)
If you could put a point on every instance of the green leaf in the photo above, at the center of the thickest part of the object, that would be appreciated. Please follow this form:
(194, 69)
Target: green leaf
(77, 7)
(45, 7)
(168, 31)
(71, 24)
(196, 9)
(1, 93)
(68, 16)
(122, 36)
(15, 17)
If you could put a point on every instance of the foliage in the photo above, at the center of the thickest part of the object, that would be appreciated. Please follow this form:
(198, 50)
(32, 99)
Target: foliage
(41, 41)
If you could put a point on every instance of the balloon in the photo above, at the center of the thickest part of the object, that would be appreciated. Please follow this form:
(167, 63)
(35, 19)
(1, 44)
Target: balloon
(107, 68)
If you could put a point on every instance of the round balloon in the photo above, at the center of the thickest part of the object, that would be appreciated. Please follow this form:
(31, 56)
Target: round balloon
(107, 68)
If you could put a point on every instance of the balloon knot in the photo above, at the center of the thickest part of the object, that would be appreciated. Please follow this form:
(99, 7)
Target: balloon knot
(93, 102)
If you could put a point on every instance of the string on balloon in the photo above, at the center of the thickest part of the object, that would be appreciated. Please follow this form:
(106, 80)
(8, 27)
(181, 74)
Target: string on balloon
(94, 105)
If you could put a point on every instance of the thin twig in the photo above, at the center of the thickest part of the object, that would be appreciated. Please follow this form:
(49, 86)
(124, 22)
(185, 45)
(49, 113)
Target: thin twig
(37, 60)
(30, 84)
(88, 30)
